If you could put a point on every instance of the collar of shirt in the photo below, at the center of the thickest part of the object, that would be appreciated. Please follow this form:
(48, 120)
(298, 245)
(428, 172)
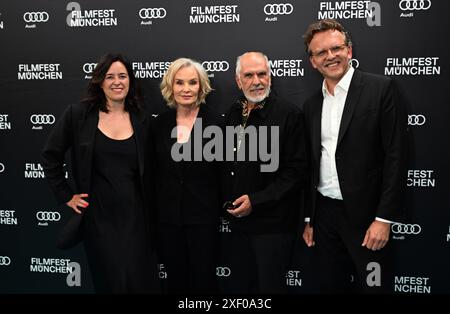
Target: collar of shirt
(260, 109)
(343, 85)
(246, 111)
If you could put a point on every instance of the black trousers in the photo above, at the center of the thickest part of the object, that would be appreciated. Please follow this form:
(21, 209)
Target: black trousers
(189, 254)
(268, 257)
(344, 266)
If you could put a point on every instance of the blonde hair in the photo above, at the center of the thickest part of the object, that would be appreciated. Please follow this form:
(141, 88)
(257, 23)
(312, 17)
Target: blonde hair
(166, 85)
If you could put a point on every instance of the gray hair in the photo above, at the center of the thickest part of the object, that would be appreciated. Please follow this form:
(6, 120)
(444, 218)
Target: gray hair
(238, 61)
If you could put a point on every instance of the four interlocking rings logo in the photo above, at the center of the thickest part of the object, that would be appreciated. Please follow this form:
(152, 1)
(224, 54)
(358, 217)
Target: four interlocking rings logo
(42, 119)
(354, 63)
(409, 5)
(152, 13)
(223, 271)
(398, 228)
(48, 216)
(278, 9)
(5, 260)
(216, 66)
(2, 167)
(35, 17)
(416, 119)
(88, 68)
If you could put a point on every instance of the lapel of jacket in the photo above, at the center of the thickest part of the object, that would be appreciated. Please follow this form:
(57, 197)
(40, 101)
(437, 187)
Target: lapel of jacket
(169, 124)
(86, 128)
(353, 95)
(138, 123)
(316, 125)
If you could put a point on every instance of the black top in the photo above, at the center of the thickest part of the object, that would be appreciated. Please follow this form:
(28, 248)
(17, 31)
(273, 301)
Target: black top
(187, 192)
(75, 131)
(115, 186)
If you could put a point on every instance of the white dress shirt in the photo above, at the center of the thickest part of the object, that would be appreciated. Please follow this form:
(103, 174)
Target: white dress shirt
(332, 109)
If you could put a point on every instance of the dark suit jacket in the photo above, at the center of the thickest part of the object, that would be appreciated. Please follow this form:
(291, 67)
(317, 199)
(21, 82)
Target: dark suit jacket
(75, 130)
(371, 153)
(275, 196)
(187, 192)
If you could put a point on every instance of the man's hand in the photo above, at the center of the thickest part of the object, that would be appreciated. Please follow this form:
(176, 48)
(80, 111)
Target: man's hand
(308, 235)
(377, 235)
(244, 209)
(78, 201)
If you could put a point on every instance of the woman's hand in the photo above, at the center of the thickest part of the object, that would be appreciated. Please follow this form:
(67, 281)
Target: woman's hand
(78, 201)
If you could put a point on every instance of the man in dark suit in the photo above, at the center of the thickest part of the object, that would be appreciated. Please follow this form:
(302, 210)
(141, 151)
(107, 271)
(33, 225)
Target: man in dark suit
(356, 127)
(263, 196)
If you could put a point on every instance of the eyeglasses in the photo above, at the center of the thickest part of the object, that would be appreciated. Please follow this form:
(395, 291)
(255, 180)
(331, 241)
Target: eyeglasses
(322, 53)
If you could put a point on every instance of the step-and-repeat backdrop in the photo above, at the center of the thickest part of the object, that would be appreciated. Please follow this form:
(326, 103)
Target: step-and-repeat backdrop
(49, 49)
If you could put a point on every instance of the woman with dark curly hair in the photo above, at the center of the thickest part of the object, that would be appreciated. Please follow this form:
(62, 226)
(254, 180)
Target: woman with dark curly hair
(107, 136)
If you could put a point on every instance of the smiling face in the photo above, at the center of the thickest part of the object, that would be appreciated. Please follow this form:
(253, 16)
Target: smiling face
(116, 83)
(186, 86)
(330, 55)
(254, 77)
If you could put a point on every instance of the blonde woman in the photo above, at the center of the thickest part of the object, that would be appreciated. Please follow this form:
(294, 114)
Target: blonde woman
(187, 191)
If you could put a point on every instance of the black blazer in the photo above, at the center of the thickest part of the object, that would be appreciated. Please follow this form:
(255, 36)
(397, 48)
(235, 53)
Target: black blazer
(75, 130)
(187, 192)
(275, 196)
(371, 153)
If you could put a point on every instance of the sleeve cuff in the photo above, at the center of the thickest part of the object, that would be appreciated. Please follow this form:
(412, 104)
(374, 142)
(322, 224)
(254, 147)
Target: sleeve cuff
(384, 220)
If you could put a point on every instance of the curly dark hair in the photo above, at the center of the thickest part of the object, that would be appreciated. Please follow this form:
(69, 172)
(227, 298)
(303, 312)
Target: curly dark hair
(95, 95)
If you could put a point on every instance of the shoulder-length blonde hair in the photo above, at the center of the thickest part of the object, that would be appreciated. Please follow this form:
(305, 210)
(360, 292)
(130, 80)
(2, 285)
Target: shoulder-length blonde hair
(167, 81)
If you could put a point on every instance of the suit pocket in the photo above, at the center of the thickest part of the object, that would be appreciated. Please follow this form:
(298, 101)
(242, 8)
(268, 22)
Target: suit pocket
(84, 146)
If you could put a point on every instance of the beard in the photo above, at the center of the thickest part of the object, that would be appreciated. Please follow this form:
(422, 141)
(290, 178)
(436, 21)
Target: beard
(257, 99)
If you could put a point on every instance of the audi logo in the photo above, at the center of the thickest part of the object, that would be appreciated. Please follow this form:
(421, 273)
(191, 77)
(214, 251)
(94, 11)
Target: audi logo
(223, 271)
(88, 68)
(2, 167)
(354, 63)
(42, 119)
(409, 5)
(5, 260)
(416, 119)
(35, 17)
(216, 66)
(48, 216)
(406, 228)
(278, 9)
(152, 13)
